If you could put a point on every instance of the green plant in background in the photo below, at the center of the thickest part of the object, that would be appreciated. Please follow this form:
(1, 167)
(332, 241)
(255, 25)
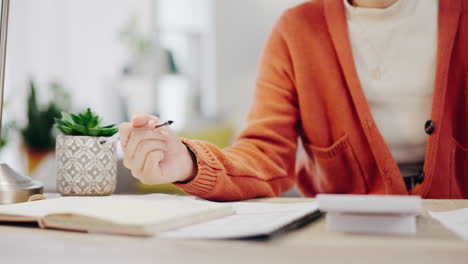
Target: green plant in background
(171, 64)
(60, 97)
(138, 44)
(38, 134)
(84, 124)
(6, 127)
(3, 142)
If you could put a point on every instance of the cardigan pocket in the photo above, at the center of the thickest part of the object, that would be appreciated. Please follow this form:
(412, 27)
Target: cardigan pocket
(338, 170)
(459, 171)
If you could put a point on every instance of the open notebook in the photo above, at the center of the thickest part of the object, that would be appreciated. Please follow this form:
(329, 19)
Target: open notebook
(116, 215)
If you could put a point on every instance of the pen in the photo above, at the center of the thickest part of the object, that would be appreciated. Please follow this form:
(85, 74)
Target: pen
(116, 137)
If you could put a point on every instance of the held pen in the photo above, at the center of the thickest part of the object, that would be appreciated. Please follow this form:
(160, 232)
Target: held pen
(116, 137)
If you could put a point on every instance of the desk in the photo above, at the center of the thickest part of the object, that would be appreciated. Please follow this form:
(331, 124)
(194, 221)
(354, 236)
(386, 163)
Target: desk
(432, 244)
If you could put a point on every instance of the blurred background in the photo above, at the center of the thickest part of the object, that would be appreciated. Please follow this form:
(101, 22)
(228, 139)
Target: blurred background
(192, 61)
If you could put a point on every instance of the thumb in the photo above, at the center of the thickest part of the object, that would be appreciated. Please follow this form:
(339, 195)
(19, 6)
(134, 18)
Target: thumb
(142, 119)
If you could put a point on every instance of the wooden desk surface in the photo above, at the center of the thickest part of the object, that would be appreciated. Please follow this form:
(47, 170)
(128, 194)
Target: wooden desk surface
(432, 244)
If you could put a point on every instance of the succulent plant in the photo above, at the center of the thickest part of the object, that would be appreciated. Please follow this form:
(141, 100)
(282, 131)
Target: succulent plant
(84, 124)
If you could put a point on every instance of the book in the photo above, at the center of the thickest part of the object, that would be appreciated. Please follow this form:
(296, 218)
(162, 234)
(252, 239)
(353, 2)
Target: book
(371, 213)
(114, 215)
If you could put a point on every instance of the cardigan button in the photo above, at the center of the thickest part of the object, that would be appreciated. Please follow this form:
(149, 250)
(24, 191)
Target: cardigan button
(429, 127)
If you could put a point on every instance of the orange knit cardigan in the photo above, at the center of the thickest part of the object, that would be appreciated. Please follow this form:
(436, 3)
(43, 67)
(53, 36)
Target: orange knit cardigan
(308, 89)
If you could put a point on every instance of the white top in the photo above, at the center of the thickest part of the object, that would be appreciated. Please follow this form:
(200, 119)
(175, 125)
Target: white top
(395, 55)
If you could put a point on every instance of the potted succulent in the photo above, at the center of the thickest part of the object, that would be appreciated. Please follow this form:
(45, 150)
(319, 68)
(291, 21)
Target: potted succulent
(85, 165)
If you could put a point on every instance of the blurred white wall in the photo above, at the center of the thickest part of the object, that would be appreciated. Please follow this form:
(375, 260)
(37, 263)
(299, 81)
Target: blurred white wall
(72, 41)
(242, 28)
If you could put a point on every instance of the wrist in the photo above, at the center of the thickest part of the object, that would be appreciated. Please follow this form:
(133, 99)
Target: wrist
(192, 166)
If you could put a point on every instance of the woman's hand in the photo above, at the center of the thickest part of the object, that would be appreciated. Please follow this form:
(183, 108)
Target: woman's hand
(155, 156)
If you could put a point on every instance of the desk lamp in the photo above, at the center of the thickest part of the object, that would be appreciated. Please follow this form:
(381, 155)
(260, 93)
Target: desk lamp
(14, 187)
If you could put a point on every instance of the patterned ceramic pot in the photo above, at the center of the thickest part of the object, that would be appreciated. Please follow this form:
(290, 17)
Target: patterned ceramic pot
(85, 167)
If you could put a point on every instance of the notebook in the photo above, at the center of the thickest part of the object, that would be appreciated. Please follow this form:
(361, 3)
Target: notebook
(114, 215)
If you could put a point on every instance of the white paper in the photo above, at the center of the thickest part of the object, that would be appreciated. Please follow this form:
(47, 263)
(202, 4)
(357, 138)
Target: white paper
(371, 224)
(456, 221)
(251, 219)
(370, 204)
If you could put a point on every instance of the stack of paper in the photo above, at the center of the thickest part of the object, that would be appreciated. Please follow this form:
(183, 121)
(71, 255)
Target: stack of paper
(371, 213)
